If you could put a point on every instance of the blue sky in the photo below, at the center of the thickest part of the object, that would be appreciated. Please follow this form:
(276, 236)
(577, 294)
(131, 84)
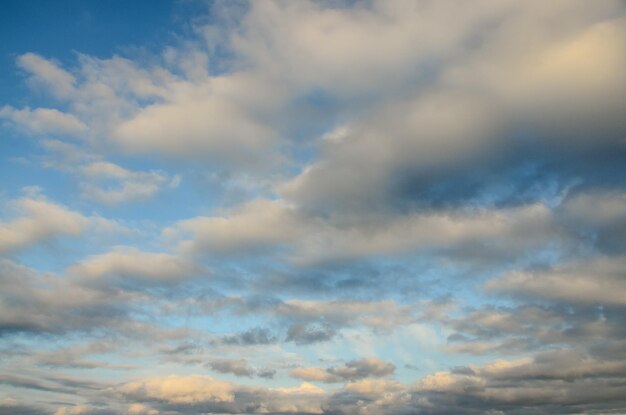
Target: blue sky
(312, 207)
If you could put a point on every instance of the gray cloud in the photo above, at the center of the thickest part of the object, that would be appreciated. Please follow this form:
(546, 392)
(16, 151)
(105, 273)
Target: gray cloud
(593, 281)
(254, 336)
(11, 407)
(350, 371)
(300, 333)
(238, 367)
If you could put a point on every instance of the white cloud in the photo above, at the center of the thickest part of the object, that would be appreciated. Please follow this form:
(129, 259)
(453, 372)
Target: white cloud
(197, 391)
(257, 224)
(127, 262)
(111, 184)
(43, 121)
(204, 122)
(353, 50)
(48, 74)
(181, 389)
(39, 220)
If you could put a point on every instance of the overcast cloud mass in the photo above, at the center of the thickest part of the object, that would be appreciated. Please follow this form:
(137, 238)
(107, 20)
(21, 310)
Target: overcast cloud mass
(313, 207)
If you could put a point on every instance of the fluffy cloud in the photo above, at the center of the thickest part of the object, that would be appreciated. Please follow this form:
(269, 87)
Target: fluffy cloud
(506, 86)
(352, 50)
(32, 302)
(43, 121)
(256, 225)
(48, 74)
(359, 177)
(206, 125)
(181, 389)
(594, 281)
(39, 220)
(188, 394)
(126, 185)
(125, 262)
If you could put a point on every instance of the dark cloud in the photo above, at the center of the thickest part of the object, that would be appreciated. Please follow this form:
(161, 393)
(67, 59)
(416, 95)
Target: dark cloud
(238, 367)
(266, 373)
(252, 337)
(15, 408)
(300, 333)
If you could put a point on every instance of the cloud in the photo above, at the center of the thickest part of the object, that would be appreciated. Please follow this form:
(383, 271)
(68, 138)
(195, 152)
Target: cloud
(42, 121)
(128, 262)
(81, 410)
(352, 50)
(32, 302)
(361, 179)
(382, 315)
(103, 181)
(268, 225)
(300, 333)
(599, 208)
(350, 371)
(535, 325)
(593, 281)
(74, 357)
(158, 110)
(205, 125)
(141, 409)
(40, 220)
(238, 367)
(188, 394)
(505, 86)
(256, 225)
(501, 386)
(111, 184)
(421, 138)
(599, 216)
(48, 74)
(181, 389)
(252, 337)
(12, 406)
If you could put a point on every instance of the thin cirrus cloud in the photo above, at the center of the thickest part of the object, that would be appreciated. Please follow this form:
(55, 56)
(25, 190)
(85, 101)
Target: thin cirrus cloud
(318, 208)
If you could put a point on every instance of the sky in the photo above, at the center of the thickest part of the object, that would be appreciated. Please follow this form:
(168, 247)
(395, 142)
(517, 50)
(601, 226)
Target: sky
(312, 207)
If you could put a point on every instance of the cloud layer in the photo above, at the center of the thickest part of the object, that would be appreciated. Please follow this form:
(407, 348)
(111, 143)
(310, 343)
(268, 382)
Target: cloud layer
(340, 208)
